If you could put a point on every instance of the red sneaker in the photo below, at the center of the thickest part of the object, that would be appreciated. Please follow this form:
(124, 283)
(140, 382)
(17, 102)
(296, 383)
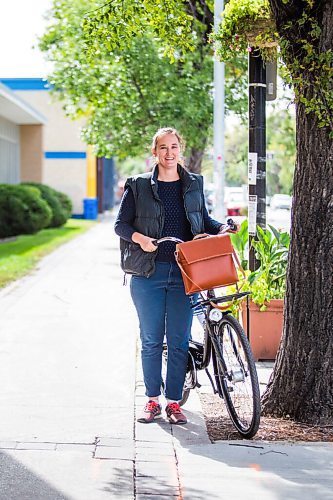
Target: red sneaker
(175, 414)
(151, 411)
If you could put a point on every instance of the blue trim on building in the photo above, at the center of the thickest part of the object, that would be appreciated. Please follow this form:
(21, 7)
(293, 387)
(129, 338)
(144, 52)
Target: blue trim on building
(68, 155)
(26, 83)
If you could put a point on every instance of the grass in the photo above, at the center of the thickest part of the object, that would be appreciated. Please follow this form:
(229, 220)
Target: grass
(19, 257)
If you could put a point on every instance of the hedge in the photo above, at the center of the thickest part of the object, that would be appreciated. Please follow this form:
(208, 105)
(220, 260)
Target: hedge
(22, 210)
(59, 203)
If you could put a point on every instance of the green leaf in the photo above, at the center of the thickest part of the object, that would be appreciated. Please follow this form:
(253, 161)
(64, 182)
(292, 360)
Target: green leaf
(131, 67)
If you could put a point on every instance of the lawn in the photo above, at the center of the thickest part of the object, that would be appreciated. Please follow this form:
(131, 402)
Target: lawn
(20, 256)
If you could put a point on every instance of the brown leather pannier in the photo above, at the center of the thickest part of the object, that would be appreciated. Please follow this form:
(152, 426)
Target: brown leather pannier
(207, 262)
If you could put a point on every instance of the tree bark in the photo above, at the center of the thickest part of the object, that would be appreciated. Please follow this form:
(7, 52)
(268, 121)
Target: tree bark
(301, 385)
(194, 161)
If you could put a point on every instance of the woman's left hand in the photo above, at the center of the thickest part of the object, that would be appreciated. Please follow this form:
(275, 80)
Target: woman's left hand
(226, 229)
(237, 226)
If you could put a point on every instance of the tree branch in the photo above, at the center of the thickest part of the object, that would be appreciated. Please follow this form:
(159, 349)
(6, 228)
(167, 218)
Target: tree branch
(284, 12)
(200, 11)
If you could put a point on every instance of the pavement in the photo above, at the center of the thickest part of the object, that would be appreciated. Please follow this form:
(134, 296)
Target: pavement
(71, 385)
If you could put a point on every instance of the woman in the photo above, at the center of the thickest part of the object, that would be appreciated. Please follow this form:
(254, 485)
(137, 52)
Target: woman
(168, 201)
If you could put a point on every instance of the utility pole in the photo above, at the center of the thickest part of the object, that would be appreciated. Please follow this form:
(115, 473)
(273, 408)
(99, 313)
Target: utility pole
(257, 150)
(219, 175)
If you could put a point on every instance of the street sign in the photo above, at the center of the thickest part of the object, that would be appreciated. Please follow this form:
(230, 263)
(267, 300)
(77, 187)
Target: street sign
(271, 75)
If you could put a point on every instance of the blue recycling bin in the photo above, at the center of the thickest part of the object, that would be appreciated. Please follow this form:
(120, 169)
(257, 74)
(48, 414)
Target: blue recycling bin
(90, 208)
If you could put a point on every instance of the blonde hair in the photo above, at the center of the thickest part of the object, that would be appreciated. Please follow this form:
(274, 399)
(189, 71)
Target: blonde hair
(164, 131)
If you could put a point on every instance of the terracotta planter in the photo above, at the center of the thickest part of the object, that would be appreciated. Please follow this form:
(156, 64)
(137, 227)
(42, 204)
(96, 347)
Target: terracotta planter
(265, 328)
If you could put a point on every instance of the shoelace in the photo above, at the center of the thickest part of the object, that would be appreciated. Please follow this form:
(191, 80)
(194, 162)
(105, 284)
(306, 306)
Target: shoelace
(174, 407)
(151, 406)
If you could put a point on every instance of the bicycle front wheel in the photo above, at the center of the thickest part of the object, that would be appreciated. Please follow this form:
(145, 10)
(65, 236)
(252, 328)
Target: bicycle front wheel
(237, 377)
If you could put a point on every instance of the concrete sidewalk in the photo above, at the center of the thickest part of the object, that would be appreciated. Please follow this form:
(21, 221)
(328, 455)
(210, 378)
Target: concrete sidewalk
(70, 388)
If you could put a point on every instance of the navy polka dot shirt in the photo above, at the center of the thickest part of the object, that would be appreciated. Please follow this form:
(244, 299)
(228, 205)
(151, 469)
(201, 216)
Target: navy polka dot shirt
(175, 223)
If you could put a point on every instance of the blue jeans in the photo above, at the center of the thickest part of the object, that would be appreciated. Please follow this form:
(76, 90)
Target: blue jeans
(163, 310)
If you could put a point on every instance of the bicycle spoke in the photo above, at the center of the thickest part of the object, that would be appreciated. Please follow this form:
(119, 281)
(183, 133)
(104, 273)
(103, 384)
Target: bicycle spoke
(237, 375)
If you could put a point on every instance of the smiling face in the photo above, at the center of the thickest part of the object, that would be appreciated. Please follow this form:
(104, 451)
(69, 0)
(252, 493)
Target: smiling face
(167, 152)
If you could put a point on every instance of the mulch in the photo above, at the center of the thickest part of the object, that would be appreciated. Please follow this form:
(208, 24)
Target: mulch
(219, 426)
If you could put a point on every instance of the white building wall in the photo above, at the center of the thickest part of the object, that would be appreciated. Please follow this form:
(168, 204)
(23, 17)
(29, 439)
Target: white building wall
(68, 176)
(9, 152)
(61, 134)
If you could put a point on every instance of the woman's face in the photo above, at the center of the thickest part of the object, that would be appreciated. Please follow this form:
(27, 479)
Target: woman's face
(167, 151)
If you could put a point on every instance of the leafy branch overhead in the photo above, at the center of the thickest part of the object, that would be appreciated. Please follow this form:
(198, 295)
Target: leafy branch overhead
(129, 67)
(111, 68)
(180, 25)
(246, 23)
(250, 23)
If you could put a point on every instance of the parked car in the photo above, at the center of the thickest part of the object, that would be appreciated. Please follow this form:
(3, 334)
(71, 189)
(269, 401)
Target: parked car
(235, 200)
(281, 201)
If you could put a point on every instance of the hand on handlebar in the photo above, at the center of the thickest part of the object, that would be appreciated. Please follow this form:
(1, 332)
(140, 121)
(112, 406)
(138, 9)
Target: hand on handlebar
(230, 227)
(149, 245)
(146, 243)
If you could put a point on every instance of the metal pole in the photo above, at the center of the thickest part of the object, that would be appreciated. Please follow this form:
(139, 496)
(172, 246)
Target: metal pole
(257, 149)
(219, 176)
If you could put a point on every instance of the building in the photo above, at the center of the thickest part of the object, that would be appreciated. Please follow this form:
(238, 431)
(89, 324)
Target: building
(39, 143)
(20, 138)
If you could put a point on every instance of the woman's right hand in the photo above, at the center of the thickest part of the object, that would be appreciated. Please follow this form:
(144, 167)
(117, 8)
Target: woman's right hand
(145, 242)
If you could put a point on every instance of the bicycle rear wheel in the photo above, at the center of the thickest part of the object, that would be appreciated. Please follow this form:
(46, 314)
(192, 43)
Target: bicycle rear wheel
(237, 376)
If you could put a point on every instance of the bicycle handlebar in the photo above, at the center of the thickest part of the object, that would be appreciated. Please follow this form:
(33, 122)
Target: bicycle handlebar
(167, 238)
(229, 226)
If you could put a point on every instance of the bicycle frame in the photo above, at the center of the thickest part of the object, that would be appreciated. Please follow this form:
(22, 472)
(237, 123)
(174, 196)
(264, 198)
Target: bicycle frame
(211, 344)
(226, 345)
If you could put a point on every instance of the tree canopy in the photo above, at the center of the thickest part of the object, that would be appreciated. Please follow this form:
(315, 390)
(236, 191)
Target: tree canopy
(126, 83)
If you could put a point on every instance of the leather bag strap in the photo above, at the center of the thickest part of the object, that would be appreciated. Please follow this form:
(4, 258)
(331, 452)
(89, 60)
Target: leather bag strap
(238, 263)
(183, 271)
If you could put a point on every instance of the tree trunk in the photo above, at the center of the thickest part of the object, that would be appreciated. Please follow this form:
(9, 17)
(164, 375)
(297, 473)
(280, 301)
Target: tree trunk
(194, 161)
(302, 382)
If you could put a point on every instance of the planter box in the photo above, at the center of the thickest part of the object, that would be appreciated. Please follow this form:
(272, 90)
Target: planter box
(265, 328)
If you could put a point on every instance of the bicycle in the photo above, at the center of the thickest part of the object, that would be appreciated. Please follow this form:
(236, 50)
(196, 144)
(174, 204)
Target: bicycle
(227, 346)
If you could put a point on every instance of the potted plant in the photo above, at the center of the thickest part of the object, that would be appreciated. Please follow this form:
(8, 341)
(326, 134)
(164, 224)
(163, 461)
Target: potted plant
(267, 287)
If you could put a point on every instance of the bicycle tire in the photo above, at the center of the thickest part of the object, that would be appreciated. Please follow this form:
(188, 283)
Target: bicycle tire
(186, 392)
(237, 376)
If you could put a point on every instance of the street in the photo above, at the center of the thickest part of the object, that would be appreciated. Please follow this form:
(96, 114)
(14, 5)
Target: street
(279, 218)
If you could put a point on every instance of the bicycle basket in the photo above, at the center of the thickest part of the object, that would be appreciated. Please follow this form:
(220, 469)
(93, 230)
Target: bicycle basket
(207, 263)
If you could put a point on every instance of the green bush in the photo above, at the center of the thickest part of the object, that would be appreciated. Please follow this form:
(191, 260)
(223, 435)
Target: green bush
(59, 203)
(22, 210)
(66, 203)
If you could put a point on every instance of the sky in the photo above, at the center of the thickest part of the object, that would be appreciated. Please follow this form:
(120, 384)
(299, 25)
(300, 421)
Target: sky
(20, 23)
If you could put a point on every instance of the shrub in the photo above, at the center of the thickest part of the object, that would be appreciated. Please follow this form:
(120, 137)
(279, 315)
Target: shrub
(22, 210)
(271, 249)
(66, 203)
(59, 203)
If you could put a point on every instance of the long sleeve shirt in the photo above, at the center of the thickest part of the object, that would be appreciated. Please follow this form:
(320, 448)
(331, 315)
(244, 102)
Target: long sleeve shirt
(176, 223)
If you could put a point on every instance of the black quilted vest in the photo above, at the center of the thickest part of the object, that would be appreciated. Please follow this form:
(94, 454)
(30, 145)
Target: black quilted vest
(149, 216)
